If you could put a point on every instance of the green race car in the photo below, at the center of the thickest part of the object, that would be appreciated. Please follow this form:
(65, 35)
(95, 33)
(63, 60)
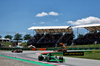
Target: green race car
(49, 57)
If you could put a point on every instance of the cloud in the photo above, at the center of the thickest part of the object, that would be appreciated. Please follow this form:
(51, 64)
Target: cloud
(53, 13)
(85, 21)
(41, 14)
(46, 14)
(42, 22)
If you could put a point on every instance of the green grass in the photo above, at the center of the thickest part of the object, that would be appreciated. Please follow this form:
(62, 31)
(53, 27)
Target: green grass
(85, 46)
(80, 46)
(89, 55)
(24, 43)
(6, 43)
(10, 43)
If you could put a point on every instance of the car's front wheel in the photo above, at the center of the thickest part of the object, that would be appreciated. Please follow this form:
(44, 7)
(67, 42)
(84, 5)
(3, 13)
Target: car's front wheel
(12, 51)
(40, 58)
(61, 59)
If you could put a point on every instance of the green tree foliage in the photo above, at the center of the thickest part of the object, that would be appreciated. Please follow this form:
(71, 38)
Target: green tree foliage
(80, 35)
(18, 37)
(8, 36)
(0, 36)
(27, 37)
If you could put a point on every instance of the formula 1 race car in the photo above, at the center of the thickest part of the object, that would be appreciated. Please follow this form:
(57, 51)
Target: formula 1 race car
(17, 50)
(62, 49)
(49, 57)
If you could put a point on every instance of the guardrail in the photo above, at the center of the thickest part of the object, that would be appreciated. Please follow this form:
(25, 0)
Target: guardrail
(93, 48)
(43, 49)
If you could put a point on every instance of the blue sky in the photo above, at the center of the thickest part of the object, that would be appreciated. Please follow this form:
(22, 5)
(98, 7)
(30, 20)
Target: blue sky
(16, 16)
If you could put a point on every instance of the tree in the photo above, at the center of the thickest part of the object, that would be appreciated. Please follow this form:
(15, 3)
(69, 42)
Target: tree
(8, 36)
(18, 37)
(0, 36)
(27, 37)
(73, 35)
(80, 35)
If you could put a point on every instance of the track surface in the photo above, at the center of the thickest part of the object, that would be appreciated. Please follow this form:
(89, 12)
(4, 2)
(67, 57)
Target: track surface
(68, 60)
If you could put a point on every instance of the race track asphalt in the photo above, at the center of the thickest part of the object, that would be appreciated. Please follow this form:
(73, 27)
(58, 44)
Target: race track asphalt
(69, 61)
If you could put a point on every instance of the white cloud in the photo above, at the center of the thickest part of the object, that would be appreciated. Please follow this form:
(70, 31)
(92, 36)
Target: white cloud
(46, 14)
(53, 13)
(42, 14)
(42, 22)
(85, 21)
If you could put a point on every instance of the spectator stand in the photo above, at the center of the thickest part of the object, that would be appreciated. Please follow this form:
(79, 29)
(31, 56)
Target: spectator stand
(4, 40)
(48, 36)
(90, 38)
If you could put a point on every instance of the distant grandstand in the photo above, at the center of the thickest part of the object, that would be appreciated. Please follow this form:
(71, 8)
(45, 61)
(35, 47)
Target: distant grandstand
(49, 36)
(93, 37)
(4, 40)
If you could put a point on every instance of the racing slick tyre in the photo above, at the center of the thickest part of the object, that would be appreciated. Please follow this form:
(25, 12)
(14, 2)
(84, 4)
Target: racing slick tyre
(20, 51)
(61, 59)
(40, 58)
(12, 51)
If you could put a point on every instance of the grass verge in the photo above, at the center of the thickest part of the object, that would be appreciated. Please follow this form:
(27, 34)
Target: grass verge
(88, 55)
